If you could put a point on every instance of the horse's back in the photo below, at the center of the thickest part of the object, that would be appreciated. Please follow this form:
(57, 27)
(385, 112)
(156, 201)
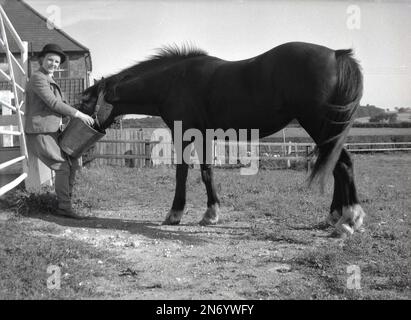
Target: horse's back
(264, 91)
(301, 72)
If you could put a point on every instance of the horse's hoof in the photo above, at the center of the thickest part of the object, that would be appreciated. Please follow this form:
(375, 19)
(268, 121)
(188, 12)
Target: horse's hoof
(344, 228)
(206, 222)
(333, 218)
(174, 217)
(354, 217)
(211, 215)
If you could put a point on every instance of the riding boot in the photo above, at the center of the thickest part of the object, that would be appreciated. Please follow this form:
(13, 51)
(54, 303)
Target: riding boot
(74, 166)
(62, 187)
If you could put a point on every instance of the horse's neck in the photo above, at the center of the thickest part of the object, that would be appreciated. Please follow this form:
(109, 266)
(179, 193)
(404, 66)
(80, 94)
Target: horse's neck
(139, 95)
(143, 90)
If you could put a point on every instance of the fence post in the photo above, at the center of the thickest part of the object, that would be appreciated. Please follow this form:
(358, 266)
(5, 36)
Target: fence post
(307, 154)
(288, 154)
(147, 153)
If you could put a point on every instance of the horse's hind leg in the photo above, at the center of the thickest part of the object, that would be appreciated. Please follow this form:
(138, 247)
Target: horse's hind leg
(336, 207)
(346, 215)
(213, 203)
(345, 206)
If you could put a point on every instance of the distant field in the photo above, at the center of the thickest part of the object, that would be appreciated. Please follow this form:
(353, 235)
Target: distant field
(296, 134)
(405, 116)
(401, 117)
(301, 133)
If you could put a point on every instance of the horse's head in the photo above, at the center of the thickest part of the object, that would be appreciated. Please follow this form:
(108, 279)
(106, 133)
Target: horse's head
(93, 104)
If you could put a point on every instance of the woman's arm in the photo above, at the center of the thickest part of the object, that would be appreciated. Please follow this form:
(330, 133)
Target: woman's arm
(41, 87)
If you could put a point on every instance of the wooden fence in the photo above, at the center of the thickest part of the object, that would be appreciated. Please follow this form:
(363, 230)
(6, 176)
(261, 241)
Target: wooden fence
(72, 87)
(131, 148)
(122, 148)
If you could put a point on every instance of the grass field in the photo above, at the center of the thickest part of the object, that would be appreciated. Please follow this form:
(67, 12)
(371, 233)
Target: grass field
(267, 245)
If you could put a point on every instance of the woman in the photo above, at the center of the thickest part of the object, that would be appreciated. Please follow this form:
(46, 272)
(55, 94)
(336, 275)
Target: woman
(45, 109)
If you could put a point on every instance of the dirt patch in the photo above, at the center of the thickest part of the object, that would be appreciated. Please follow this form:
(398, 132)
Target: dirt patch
(226, 261)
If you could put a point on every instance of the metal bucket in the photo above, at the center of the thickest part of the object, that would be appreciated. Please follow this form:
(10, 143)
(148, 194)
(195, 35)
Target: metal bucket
(78, 137)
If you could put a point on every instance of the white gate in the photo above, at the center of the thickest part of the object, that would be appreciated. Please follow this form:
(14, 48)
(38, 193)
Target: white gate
(14, 104)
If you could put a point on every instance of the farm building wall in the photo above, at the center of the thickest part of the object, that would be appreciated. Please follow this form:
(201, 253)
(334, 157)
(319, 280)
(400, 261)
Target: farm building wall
(75, 82)
(76, 65)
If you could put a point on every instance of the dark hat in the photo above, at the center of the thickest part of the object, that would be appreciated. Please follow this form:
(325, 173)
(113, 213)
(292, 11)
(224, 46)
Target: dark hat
(53, 48)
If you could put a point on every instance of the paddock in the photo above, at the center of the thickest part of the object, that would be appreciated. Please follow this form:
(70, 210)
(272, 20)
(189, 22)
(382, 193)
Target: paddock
(268, 245)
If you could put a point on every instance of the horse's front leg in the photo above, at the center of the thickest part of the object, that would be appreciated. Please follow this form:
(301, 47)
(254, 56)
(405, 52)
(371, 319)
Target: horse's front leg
(346, 213)
(177, 210)
(213, 203)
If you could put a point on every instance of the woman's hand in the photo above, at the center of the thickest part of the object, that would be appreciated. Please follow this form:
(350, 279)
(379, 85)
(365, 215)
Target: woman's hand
(85, 118)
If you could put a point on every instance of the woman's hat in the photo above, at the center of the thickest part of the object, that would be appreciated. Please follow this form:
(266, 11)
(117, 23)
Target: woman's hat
(53, 48)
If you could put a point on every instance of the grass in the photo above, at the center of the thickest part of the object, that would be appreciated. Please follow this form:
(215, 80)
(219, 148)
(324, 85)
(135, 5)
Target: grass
(275, 203)
(383, 252)
(282, 200)
(23, 202)
(27, 251)
(25, 259)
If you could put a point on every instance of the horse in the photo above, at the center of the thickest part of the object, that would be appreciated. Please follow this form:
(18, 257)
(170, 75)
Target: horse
(319, 87)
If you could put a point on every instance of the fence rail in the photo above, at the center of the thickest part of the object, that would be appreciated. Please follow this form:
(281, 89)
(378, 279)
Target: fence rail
(131, 149)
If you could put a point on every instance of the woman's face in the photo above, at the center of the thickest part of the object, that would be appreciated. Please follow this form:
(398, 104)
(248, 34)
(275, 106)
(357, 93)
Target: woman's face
(51, 62)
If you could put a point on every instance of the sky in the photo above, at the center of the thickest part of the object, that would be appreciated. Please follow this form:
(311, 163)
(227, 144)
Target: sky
(120, 33)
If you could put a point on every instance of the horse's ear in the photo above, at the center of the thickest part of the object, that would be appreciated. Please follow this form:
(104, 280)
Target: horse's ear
(90, 92)
(85, 95)
(102, 85)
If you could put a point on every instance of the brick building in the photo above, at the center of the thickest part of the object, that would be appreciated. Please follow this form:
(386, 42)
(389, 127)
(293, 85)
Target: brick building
(32, 27)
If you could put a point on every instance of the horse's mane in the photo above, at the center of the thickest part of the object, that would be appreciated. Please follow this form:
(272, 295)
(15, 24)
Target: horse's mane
(175, 51)
(165, 55)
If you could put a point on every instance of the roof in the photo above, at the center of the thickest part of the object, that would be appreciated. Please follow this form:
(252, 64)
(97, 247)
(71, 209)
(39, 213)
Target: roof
(32, 27)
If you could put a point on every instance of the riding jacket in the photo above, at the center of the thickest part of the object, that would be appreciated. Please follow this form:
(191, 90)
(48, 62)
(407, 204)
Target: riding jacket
(45, 105)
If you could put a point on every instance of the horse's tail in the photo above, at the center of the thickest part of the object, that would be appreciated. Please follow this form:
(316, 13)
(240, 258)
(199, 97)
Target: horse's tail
(338, 115)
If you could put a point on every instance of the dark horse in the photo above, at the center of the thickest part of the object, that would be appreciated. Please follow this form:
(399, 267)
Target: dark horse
(318, 86)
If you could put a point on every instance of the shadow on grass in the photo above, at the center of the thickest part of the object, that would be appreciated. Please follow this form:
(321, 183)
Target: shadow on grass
(317, 226)
(146, 229)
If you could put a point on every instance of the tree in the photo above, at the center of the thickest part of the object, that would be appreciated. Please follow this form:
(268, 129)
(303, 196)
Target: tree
(388, 117)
